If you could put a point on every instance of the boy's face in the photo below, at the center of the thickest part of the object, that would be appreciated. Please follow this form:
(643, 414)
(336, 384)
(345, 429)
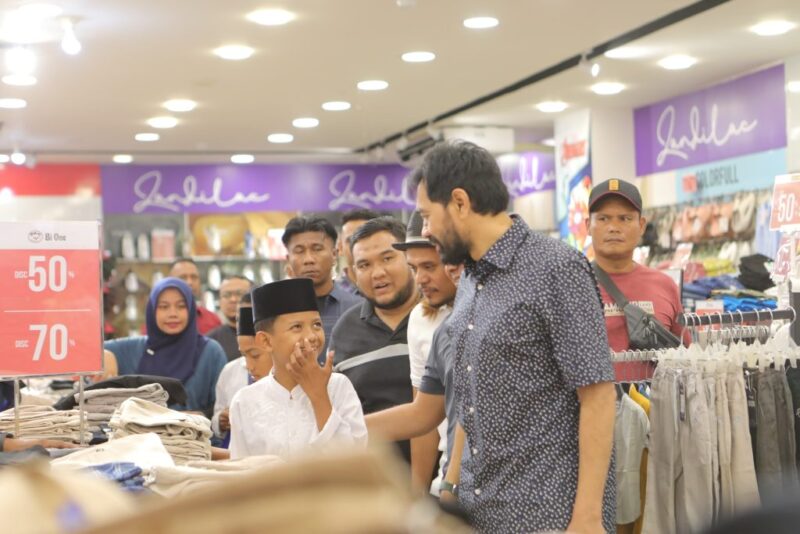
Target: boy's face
(259, 362)
(289, 329)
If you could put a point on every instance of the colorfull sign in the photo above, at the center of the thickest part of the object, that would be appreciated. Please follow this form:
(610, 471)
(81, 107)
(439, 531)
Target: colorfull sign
(744, 116)
(140, 189)
(747, 173)
(51, 311)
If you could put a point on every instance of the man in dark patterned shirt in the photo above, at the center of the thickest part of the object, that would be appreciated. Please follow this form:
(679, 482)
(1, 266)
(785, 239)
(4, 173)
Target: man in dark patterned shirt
(532, 375)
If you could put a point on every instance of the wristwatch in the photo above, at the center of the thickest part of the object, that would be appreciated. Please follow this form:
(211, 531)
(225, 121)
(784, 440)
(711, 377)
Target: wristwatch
(448, 486)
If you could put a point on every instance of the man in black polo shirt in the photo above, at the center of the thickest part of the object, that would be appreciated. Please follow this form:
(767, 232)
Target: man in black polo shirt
(370, 341)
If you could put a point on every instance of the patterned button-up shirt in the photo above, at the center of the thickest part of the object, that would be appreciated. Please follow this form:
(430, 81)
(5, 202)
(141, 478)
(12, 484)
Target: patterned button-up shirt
(529, 331)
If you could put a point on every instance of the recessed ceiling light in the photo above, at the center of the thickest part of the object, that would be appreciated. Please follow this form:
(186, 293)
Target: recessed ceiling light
(40, 10)
(20, 80)
(280, 138)
(271, 17)
(551, 106)
(793, 86)
(180, 105)
(12, 103)
(418, 57)
(4, 158)
(608, 88)
(147, 137)
(771, 28)
(234, 52)
(305, 122)
(18, 158)
(20, 60)
(480, 23)
(336, 105)
(242, 159)
(550, 141)
(626, 52)
(373, 85)
(677, 62)
(162, 122)
(122, 158)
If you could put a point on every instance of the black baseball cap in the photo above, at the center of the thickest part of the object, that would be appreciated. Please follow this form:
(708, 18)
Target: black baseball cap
(619, 188)
(414, 234)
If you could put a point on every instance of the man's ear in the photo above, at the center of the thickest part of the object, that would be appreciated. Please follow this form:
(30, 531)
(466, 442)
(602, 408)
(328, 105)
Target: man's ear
(461, 201)
(264, 340)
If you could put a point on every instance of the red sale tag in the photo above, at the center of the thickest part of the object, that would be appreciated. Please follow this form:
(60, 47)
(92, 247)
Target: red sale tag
(51, 311)
(785, 202)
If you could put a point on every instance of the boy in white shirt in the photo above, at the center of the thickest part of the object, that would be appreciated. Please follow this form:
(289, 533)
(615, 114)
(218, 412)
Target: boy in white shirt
(300, 404)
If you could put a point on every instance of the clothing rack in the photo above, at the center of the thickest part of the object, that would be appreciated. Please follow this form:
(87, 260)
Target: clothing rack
(738, 317)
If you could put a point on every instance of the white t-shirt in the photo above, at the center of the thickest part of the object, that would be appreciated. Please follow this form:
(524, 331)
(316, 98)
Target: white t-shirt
(234, 376)
(266, 418)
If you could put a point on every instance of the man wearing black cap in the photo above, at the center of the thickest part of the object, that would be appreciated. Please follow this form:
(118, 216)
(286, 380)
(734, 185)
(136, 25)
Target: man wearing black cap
(616, 226)
(370, 342)
(300, 404)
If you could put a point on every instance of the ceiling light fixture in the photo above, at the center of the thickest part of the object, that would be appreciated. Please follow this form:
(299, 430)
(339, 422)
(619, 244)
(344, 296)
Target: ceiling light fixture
(20, 60)
(18, 158)
(677, 62)
(69, 41)
(242, 159)
(771, 28)
(12, 103)
(122, 158)
(793, 86)
(40, 10)
(271, 17)
(336, 105)
(234, 52)
(305, 122)
(550, 141)
(4, 158)
(608, 88)
(592, 67)
(180, 105)
(162, 122)
(552, 106)
(147, 137)
(626, 52)
(280, 138)
(373, 85)
(480, 23)
(418, 57)
(19, 80)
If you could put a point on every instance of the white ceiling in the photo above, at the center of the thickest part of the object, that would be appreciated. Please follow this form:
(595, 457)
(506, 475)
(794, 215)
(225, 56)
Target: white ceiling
(138, 54)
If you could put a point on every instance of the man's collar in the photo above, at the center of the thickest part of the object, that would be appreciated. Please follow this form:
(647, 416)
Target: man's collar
(502, 252)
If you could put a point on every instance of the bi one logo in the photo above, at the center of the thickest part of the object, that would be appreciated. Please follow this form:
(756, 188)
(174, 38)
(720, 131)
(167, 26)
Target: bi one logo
(35, 236)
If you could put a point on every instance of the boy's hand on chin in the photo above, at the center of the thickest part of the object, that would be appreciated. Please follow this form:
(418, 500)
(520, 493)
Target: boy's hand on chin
(304, 368)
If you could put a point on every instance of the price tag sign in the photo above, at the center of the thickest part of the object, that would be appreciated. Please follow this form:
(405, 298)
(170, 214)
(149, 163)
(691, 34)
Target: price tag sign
(51, 311)
(785, 202)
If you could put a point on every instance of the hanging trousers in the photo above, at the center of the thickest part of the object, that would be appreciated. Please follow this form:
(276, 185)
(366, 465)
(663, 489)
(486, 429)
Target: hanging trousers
(776, 447)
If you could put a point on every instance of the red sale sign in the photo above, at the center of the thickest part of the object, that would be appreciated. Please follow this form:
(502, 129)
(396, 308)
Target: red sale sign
(785, 202)
(51, 311)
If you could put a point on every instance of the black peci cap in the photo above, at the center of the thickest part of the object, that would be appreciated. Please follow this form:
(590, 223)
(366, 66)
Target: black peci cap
(244, 322)
(287, 296)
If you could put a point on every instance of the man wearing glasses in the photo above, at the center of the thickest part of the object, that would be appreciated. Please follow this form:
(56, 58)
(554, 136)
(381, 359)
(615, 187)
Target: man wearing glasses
(232, 289)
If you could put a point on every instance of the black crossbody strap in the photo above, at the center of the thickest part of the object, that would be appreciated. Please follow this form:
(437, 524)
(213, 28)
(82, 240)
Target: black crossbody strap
(609, 286)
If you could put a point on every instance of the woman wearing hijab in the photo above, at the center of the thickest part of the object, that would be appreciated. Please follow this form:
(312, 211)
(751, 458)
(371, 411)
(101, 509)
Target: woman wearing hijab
(173, 347)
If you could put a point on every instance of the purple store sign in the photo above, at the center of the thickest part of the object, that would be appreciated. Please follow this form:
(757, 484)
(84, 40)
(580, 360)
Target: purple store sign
(231, 188)
(528, 172)
(736, 118)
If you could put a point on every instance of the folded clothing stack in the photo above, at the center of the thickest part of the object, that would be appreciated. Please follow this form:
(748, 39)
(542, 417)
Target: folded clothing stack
(100, 404)
(186, 437)
(44, 422)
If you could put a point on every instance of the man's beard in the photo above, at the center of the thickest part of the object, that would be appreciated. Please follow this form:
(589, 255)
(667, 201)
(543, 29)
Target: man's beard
(454, 252)
(399, 299)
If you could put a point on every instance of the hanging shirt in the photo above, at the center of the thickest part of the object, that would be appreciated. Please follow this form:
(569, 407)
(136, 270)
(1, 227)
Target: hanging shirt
(266, 418)
(234, 376)
(630, 439)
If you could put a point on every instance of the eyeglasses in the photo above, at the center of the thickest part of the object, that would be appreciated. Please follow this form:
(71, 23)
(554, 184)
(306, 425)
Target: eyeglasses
(227, 295)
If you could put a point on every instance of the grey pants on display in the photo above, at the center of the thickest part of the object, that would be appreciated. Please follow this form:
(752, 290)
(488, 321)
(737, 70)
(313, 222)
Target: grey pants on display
(680, 486)
(742, 467)
(776, 448)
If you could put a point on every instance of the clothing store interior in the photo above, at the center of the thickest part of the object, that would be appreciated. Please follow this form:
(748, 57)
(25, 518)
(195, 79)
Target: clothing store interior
(400, 266)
